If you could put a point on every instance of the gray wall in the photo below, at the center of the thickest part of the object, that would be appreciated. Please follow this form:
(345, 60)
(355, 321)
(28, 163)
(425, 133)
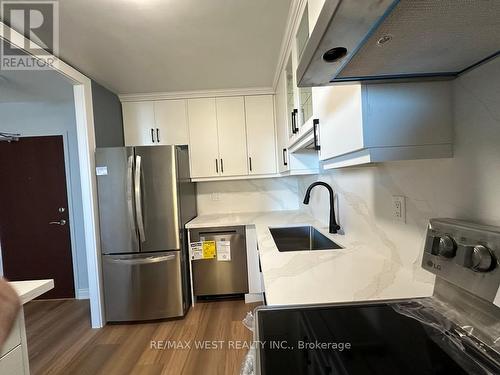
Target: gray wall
(108, 122)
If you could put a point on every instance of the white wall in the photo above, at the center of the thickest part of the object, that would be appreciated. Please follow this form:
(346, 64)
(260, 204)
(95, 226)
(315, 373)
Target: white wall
(266, 194)
(466, 186)
(41, 118)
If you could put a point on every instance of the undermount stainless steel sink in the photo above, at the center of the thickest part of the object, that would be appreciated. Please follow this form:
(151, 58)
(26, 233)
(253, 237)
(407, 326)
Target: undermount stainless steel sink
(303, 238)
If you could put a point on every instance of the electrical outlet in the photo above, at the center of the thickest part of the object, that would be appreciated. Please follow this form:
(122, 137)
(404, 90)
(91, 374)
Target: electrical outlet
(215, 196)
(399, 208)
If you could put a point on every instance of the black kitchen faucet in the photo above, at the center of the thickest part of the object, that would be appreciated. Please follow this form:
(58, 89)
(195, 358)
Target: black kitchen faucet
(334, 227)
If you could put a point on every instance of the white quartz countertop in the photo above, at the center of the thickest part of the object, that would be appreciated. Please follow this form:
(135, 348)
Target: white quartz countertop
(354, 273)
(30, 289)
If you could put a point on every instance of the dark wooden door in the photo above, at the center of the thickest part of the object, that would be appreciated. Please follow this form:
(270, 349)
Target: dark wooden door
(34, 221)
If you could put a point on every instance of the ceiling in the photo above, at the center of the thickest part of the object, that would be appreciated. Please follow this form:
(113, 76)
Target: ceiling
(137, 46)
(34, 85)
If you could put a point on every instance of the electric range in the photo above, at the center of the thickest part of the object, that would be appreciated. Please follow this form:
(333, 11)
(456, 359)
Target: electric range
(456, 331)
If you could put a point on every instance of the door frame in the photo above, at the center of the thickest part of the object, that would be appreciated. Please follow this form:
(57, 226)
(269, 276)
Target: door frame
(79, 292)
(82, 90)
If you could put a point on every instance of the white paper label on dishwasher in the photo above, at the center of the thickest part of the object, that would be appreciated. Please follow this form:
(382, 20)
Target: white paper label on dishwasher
(223, 251)
(101, 171)
(196, 250)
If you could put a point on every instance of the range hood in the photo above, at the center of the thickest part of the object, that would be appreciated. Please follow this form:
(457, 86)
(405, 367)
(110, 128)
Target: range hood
(357, 40)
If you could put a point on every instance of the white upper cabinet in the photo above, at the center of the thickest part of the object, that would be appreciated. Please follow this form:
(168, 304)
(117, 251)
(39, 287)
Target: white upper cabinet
(291, 105)
(261, 140)
(139, 123)
(203, 139)
(162, 122)
(365, 123)
(171, 122)
(303, 113)
(232, 137)
(314, 9)
(341, 126)
(304, 94)
(303, 161)
(228, 137)
(282, 128)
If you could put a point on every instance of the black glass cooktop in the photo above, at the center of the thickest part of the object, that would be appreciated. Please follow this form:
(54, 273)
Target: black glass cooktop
(355, 340)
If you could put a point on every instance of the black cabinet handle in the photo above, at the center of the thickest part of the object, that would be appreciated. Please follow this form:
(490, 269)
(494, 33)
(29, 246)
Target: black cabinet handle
(158, 135)
(250, 162)
(285, 163)
(317, 147)
(295, 129)
(221, 166)
(216, 166)
(152, 135)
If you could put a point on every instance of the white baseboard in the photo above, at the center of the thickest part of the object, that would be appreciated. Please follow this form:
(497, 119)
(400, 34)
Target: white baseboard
(254, 297)
(82, 294)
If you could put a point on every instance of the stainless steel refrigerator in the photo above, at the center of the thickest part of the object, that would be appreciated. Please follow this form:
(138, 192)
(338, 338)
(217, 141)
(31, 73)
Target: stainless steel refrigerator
(145, 198)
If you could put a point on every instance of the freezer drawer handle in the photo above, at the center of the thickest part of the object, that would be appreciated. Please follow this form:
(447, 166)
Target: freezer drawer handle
(138, 198)
(148, 260)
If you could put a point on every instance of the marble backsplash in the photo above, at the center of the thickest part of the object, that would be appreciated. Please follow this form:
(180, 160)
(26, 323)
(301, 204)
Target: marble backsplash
(266, 194)
(466, 186)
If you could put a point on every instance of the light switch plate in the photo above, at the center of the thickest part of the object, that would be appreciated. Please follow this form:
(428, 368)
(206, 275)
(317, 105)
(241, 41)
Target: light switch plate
(399, 208)
(215, 196)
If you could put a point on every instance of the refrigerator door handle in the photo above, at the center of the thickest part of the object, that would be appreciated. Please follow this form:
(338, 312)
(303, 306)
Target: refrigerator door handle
(130, 198)
(147, 260)
(138, 198)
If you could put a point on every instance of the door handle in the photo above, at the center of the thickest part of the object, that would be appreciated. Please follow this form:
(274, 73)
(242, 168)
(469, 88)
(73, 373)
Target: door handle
(221, 166)
(138, 198)
(157, 135)
(285, 163)
(216, 166)
(130, 195)
(60, 222)
(250, 162)
(152, 135)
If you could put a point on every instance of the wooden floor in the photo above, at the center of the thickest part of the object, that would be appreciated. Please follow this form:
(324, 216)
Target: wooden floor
(60, 341)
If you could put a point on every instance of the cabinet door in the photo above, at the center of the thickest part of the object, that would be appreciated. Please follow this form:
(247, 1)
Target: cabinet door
(304, 94)
(203, 144)
(171, 122)
(232, 136)
(291, 108)
(341, 123)
(314, 9)
(282, 124)
(12, 363)
(13, 340)
(139, 123)
(261, 139)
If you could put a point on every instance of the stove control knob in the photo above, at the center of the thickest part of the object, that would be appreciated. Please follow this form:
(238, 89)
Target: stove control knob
(482, 259)
(447, 247)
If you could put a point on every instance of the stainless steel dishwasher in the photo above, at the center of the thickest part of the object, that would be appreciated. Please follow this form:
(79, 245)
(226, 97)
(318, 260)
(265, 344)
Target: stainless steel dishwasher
(212, 277)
